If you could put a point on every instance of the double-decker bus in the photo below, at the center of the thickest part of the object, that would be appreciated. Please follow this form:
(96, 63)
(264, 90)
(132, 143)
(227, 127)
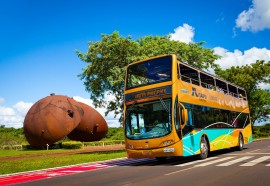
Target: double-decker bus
(174, 109)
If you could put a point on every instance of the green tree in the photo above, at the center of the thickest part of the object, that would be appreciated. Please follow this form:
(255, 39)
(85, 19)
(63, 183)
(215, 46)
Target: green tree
(249, 77)
(107, 60)
(11, 136)
(259, 103)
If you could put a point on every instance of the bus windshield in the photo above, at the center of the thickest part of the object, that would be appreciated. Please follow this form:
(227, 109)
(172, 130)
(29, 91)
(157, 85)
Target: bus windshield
(149, 72)
(148, 120)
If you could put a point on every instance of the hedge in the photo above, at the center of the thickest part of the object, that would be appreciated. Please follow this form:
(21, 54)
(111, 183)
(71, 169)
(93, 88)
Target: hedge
(72, 145)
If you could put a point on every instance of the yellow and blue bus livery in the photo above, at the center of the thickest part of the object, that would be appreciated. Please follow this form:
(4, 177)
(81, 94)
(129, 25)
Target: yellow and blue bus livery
(174, 109)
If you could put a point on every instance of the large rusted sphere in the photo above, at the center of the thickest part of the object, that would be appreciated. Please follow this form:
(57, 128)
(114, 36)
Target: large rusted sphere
(92, 127)
(51, 119)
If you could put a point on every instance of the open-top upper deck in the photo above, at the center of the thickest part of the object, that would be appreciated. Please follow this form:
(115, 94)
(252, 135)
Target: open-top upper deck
(201, 78)
(155, 77)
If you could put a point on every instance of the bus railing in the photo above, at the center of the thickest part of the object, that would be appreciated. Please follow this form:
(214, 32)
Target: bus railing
(211, 87)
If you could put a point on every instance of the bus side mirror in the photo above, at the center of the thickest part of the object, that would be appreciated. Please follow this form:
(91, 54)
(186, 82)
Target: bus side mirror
(184, 115)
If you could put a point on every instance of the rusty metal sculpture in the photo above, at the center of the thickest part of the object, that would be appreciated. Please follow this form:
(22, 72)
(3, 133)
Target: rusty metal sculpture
(55, 117)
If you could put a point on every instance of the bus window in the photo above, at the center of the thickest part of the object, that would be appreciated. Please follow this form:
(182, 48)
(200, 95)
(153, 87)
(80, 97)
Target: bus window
(242, 94)
(149, 72)
(134, 123)
(233, 90)
(189, 75)
(177, 118)
(221, 86)
(178, 71)
(207, 81)
(149, 120)
(242, 120)
(137, 123)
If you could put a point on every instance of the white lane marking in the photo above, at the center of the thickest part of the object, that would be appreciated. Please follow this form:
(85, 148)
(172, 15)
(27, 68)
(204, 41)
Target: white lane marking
(212, 162)
(179, 171)
(193, 162)
(95, 165)
(70, 171)
(253, 151)
(251, 163)
(256, 161)
(260, 153)
(235, 161)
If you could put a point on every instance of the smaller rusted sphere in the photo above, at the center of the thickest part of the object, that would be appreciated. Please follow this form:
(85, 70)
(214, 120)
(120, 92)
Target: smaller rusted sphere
(92, 127)
(51, 119)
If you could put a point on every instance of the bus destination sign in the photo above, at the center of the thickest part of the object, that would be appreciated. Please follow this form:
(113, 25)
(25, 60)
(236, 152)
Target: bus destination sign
(148, 93)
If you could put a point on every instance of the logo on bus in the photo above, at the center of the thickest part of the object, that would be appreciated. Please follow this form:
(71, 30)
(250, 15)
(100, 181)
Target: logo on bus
(184, 91)
(199, 95)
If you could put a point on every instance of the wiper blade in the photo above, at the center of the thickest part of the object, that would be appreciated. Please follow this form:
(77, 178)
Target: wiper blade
(164, 104)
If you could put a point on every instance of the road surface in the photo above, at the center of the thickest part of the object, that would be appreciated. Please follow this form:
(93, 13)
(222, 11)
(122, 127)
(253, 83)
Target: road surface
(248, 167)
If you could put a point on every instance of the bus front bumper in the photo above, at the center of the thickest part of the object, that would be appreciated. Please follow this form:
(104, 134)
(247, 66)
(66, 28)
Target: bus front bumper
(153, 153)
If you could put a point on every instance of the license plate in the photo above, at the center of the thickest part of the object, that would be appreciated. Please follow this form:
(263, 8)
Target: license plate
(168, 149)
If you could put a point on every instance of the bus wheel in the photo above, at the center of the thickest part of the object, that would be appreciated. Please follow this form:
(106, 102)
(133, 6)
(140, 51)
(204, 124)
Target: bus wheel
(204, 149)
(240, 143)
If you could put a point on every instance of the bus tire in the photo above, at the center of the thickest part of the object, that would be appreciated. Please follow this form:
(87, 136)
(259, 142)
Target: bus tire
(240, 142)
(204, 148)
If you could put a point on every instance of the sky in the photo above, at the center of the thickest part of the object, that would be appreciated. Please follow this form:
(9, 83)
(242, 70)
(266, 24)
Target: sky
(38, 40)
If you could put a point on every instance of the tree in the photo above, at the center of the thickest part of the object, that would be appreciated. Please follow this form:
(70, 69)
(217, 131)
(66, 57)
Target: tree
(249, 77)
(259, 103)
(107, 60)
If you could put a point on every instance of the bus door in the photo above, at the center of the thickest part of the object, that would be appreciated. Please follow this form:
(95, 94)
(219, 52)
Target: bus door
(181, 118)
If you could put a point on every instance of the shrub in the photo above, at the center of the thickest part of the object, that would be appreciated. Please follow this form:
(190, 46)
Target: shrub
(26, 146)
(72, 145)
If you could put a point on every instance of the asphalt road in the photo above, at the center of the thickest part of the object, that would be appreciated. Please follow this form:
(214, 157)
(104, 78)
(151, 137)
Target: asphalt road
(248, 167)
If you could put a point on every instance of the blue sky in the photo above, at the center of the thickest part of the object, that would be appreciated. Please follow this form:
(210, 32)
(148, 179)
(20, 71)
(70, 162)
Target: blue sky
(39, 39)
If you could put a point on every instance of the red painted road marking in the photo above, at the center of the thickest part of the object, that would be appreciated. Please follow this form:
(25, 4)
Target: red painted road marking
(67, 170)
(49, 173)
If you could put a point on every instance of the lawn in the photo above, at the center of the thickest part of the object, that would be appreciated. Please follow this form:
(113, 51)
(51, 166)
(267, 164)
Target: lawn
(13, 161)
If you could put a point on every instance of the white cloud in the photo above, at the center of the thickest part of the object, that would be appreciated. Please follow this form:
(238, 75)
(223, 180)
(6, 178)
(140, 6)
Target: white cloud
(22, 107)
(256, 18)
(238, 58)
(111, 121)
(2, 100)
(5, 111)
(264, 86)
(14, 116)
(183, 33)
(10, 118)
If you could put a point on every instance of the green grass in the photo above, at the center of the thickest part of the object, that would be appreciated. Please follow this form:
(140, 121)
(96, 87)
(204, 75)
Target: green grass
(30, 163)
(9, 153)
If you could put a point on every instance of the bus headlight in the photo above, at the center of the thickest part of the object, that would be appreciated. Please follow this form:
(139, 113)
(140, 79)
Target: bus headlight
(129, 146)
(167, 142)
